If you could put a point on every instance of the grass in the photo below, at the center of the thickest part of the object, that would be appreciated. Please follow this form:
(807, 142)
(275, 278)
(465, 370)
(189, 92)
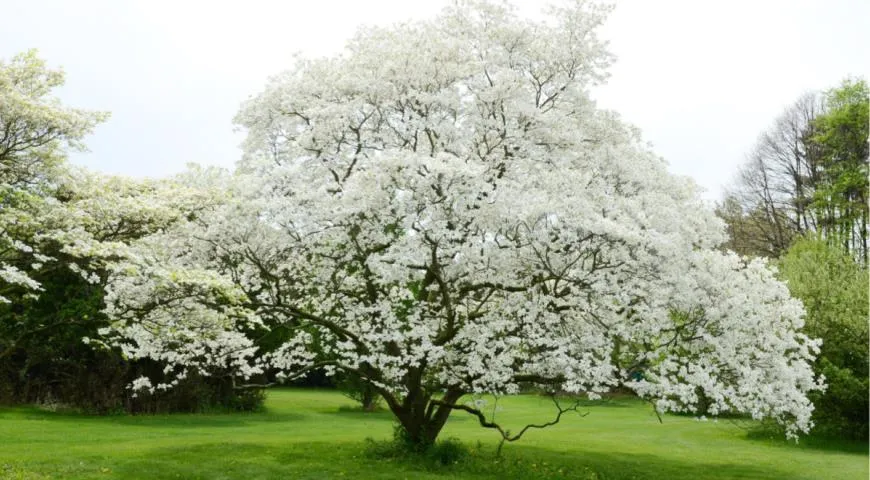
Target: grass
(311, 434)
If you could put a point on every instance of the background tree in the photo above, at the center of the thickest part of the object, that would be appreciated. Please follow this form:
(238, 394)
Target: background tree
(752, 232)
(35, 133)
(807, 173)
(774, 188)
(840, 198)
(444, 209)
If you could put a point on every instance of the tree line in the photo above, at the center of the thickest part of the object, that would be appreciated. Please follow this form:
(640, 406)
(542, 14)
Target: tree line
(806, 174)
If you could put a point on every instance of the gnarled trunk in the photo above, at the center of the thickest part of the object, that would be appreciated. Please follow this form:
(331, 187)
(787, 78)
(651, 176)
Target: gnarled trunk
(423, 416)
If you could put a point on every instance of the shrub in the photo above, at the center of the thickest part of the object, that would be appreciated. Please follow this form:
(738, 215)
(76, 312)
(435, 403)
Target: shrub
(441, 453)
(834, 290)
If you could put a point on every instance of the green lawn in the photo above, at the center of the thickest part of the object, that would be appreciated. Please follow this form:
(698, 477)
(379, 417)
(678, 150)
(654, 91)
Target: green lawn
(312, 434)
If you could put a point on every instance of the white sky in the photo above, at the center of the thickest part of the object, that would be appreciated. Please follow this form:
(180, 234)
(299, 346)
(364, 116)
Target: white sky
(702, 79)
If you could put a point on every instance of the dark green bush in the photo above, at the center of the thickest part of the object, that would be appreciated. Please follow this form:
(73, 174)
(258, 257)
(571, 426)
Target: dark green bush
(445, 452)
(194, 394)
(43, 359)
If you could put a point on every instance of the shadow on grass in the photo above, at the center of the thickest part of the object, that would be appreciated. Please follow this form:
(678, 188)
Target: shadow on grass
(644, 466)
(357, 413)
(611, 403)
(179, 420)
(185, 420)
(811, 442)
(333, 460)
(205, 420)
(619, 401)
(251, 461)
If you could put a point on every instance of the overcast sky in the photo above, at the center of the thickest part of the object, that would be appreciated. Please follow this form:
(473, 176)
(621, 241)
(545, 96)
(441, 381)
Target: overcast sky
(701, 79)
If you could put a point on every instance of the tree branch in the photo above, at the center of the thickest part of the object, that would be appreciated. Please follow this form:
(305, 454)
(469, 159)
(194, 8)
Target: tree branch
(505, 434)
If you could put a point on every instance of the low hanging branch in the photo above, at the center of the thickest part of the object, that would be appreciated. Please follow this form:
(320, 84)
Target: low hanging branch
(506, 434)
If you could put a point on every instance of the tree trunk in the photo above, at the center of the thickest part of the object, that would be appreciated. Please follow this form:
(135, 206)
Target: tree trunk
(863, 232)
(369, 399)
(420, 418)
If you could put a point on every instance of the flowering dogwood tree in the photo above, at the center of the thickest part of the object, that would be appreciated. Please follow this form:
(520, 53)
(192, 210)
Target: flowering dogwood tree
(35, 133)
(442, 210)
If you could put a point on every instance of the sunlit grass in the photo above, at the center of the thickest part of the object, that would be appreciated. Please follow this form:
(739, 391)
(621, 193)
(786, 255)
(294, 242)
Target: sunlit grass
(313, 434)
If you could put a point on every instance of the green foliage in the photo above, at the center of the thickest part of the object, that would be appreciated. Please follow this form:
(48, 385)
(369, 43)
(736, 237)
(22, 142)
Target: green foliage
(841, 194)
(834, 290)
(46, 360)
